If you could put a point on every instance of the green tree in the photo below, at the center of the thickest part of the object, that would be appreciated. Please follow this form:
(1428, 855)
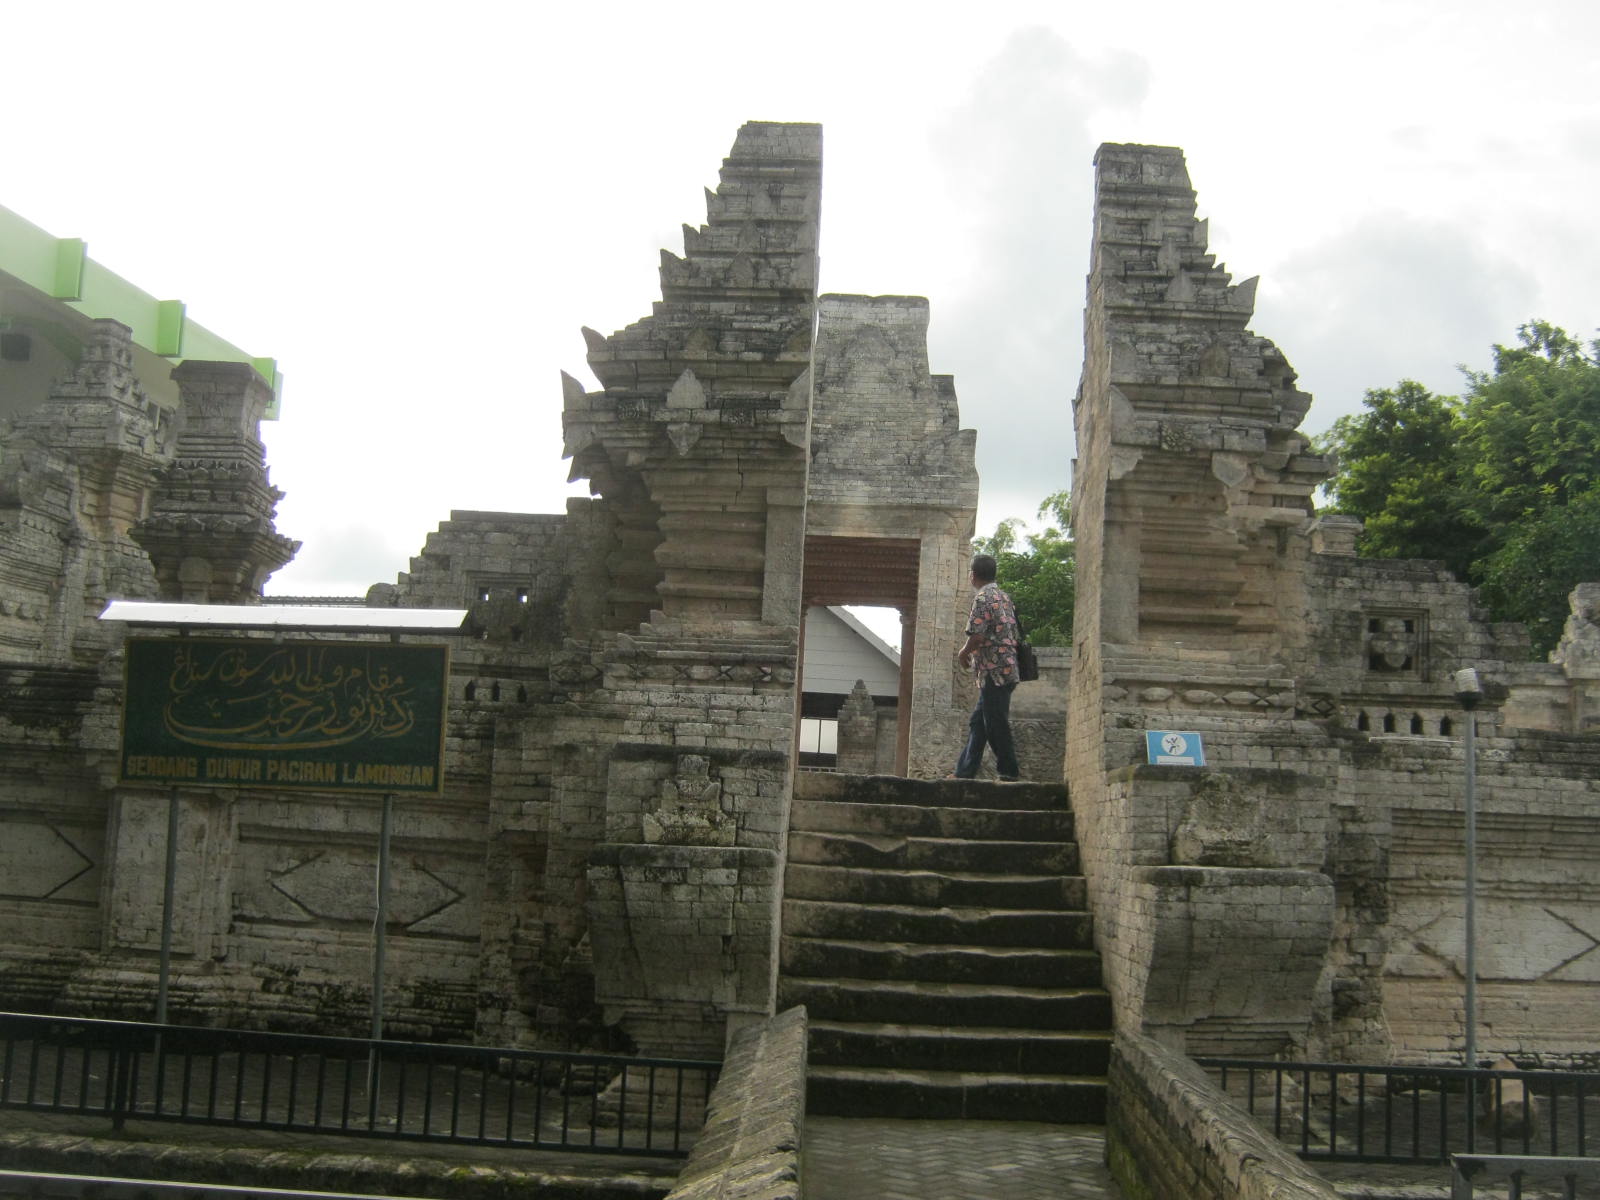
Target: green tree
(1531, 430)
(1399, 471)
(1503, 483)
(1530, 576)
(1038, 570)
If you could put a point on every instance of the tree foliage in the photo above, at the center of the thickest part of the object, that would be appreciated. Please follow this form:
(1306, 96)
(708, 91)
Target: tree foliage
(1502, 483)
(1038, 570)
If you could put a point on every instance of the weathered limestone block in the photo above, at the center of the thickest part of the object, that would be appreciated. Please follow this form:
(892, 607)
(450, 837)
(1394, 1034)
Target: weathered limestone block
(682, 938)
(1232, 954)
(1171, 1132)
(750, 1148)
(139, 837)
(1249, 818)
(1335, 533)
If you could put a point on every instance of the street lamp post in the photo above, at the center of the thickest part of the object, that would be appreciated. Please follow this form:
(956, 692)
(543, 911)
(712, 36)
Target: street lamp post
(1469, 690)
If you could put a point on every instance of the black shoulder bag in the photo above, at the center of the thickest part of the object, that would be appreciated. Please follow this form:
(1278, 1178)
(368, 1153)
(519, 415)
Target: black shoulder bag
(1027, 660)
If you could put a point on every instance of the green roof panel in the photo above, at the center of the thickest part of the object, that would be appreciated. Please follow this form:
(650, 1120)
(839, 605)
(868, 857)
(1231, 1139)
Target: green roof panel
(62, 270)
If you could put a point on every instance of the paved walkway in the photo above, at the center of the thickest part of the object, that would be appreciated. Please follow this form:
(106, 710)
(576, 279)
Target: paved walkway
(870, 1159)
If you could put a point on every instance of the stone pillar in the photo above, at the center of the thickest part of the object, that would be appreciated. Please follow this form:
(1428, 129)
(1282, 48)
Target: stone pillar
(210, 531)
(943, 693)
(698, 445)
(136, 858)
(858, 732)
(1578, 656)
(908, 670)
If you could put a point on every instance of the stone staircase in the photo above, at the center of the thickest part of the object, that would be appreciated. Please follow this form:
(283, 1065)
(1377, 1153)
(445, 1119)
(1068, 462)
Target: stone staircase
(939, 937)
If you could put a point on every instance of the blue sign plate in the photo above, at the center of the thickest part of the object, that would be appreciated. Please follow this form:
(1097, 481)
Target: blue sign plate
(1171, 748)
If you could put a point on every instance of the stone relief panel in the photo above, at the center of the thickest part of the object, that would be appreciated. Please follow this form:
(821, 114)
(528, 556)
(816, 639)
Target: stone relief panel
(330, 884)
(1395, 642)
(50, 874)
(1538, 934)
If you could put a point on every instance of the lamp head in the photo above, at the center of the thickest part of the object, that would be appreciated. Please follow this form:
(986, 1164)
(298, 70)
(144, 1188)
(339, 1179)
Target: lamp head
(1468, 688)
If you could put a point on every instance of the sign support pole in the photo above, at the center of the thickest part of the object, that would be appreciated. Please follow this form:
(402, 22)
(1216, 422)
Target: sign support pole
(380, 927)
(168, 896)
(380, 938)
(1470, 756)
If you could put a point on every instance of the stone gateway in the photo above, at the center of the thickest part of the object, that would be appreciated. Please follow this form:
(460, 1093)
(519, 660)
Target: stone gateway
(605, 862)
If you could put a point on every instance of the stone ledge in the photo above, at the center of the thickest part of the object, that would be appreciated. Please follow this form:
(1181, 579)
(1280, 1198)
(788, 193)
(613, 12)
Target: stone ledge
(1170, 1131)
(668, 854)
(1269, 777)
(261, 1159)
(750, 1146)
(1186, 876)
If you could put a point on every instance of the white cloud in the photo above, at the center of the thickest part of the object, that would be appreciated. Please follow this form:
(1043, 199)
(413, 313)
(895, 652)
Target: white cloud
(416, 214)
(1390, 297)
(1016, 156)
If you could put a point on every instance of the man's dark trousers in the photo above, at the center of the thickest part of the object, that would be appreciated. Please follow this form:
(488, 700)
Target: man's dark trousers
(990, 726)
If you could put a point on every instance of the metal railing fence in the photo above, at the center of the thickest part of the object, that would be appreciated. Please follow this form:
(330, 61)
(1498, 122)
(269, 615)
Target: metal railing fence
(44, 1185)
(1517, 1172)
(1409, 1114)
(527, 1099)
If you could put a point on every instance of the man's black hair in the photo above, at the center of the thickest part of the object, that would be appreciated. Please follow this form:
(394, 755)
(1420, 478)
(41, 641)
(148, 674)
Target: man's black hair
(984, 568)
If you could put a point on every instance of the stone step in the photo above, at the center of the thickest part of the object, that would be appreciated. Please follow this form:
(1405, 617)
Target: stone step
(935, 854)
(929, 1003)
(960, 1048)
(955, 1096)
(979, 824)
(924, 793)
(808, 881)
(1182, 614)
(937, 926)
(1020, 966)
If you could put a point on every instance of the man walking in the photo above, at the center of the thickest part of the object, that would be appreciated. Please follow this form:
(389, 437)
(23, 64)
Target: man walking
(991, 653)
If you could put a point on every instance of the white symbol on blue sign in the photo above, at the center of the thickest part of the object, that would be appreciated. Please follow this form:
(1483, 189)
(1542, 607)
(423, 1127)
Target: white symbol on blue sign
(1168, 748)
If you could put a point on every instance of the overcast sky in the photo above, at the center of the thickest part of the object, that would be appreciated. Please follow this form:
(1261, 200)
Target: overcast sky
(414, 208)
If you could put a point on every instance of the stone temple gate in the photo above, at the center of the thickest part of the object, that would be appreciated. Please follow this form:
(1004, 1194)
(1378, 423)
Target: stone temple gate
(609, 851)
(624, 714)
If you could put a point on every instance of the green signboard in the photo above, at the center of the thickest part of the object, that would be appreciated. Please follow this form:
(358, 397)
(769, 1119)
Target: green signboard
(253, 713)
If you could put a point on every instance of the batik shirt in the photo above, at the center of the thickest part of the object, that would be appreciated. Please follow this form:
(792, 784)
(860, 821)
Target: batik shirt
(994, 620)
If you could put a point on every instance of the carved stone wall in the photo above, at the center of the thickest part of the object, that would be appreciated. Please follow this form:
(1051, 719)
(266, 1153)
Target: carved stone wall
(891, 463)
(92, 471)
(1322, 840)
(621, 724)
(621, 728)
(675, 749)
(76, 474)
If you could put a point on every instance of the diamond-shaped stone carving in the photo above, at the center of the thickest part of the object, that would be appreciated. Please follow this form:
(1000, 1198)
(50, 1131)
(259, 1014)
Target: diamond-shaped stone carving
(327, 885)
(1515, 941)
(37, 862)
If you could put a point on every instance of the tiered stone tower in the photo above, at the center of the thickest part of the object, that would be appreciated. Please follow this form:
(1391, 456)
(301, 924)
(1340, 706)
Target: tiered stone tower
(1193, 514)
(75, 478)
(677, 754)
(210, 532)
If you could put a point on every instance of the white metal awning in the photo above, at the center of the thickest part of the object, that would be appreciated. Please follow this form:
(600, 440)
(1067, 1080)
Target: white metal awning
(286, 617)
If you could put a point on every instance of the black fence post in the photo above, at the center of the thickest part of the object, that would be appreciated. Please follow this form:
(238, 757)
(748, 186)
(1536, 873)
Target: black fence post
(123, 1057)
